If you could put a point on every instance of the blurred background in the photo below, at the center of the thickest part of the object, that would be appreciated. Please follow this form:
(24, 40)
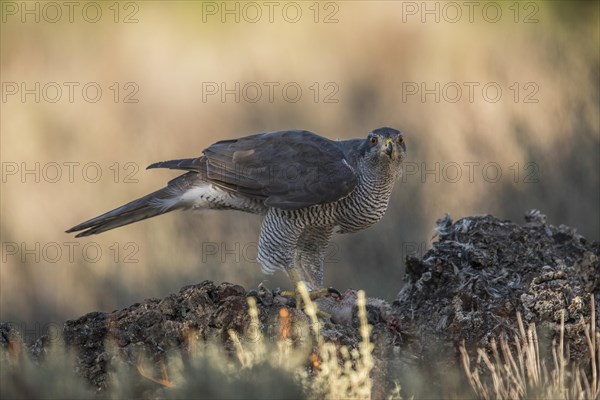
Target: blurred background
(499, 104)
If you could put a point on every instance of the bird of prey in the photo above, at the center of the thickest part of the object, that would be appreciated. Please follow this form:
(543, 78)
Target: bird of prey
(306, 186)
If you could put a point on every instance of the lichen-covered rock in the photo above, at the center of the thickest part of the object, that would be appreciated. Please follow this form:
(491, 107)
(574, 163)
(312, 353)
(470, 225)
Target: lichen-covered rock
(208, 311)
(11, 343)
(483, 270)
(155, 326)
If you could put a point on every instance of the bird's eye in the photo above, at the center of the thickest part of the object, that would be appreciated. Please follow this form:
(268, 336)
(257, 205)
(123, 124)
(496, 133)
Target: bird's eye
(374, 140)
(400, 140)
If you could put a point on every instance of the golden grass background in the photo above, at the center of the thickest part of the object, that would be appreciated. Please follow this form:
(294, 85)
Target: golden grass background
(370, 54)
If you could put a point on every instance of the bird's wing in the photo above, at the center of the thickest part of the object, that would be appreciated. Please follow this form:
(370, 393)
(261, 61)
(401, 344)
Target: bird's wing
(289, 169)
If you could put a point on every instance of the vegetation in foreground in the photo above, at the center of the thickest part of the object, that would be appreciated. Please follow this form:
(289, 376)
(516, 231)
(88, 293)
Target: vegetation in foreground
(309, 368)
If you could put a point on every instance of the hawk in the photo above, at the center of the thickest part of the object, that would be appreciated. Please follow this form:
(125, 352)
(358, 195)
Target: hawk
(306, 186)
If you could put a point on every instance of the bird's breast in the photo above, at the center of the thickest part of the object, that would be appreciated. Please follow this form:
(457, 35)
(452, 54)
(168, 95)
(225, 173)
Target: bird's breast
(364, 207)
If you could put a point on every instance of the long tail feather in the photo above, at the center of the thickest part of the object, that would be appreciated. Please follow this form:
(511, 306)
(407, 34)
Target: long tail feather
(151, 205)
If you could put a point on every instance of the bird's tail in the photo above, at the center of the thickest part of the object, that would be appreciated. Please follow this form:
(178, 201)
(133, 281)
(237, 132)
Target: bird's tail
(156, 203)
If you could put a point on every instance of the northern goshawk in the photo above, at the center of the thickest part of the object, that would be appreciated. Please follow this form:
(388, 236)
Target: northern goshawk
(306, 186)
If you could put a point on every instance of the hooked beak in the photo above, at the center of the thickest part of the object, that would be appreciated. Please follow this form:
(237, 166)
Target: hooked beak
(389, 149)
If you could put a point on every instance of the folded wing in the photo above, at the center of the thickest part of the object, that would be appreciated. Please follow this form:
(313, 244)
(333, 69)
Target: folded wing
(288, 169)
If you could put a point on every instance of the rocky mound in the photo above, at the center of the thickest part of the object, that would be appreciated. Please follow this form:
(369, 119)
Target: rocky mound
(468, 287)
(482, 271)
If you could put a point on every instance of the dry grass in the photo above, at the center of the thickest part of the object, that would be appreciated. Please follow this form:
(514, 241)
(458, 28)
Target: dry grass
(520, 372)
(335, 371)
(322, 369)
(311, 368)
(341, 372)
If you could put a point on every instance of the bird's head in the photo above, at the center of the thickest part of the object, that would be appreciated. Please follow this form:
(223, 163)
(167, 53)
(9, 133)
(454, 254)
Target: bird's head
(384, 148)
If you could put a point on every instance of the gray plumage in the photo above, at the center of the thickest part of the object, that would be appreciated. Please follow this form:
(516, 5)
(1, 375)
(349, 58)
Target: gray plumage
(306, 186)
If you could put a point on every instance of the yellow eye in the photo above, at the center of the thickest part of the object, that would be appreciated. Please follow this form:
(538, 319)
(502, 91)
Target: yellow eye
(400, 140)
(374, 140)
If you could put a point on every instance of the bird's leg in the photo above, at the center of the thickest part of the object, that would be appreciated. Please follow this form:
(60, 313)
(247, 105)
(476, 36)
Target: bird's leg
(293, 275)
(299, 249)
(310, 255)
